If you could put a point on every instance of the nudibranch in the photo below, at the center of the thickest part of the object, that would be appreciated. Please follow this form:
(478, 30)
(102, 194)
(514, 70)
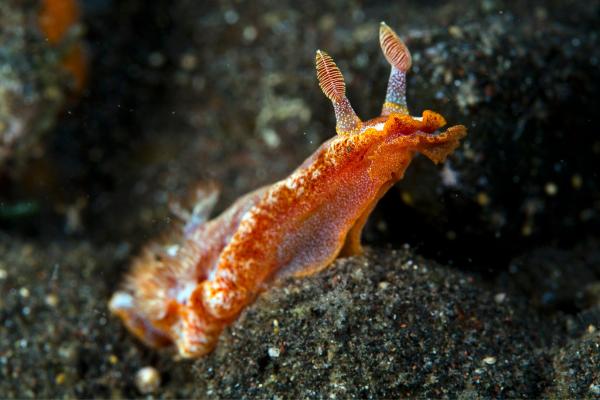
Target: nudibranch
(185, 290)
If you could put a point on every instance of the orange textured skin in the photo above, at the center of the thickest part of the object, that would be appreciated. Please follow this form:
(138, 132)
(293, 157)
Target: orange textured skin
(296, 226)
(187, 288)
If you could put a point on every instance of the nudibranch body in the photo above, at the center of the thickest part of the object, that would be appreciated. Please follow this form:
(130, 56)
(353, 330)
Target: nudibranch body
(186, 290)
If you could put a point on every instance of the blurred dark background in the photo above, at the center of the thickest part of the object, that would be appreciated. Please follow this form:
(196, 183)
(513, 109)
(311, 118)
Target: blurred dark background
(183, 92)
(110, 108)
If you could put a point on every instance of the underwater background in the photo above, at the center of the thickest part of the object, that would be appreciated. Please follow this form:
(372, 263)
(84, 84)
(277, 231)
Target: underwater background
(482, 277)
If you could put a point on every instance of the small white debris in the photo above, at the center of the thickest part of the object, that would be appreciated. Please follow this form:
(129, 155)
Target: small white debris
(551, 189)
(489, 360)
(249, 33)
(147, 380)
(271, 138)
(51, 300)
(500, 297)
(449, 175)
(273, 352)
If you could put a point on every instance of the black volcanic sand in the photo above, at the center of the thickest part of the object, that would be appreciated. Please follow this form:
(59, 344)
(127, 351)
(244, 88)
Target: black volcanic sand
(388, 324)
(506, 302)
(33, 84)
(382, 326)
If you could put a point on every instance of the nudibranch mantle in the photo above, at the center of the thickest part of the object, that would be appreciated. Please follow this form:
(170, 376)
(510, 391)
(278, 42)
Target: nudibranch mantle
(185, 290)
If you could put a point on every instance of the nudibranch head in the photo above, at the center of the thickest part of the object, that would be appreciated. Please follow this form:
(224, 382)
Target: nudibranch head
(395, 129)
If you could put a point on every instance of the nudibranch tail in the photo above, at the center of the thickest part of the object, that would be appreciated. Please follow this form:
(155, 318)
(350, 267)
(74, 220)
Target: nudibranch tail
(333, 86)
(397, 54)
(122, 304)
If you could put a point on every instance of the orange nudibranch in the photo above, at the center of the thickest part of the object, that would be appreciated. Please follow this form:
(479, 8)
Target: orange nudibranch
(186, 290)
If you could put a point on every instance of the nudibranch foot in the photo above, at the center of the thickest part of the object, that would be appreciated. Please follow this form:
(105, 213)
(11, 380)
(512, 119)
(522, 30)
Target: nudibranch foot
(185, 289)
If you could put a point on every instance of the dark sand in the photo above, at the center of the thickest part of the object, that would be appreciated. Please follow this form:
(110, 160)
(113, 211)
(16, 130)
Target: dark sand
(507, 301)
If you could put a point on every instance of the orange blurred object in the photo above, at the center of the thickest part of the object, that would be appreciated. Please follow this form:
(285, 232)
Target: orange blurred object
(56, 19)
